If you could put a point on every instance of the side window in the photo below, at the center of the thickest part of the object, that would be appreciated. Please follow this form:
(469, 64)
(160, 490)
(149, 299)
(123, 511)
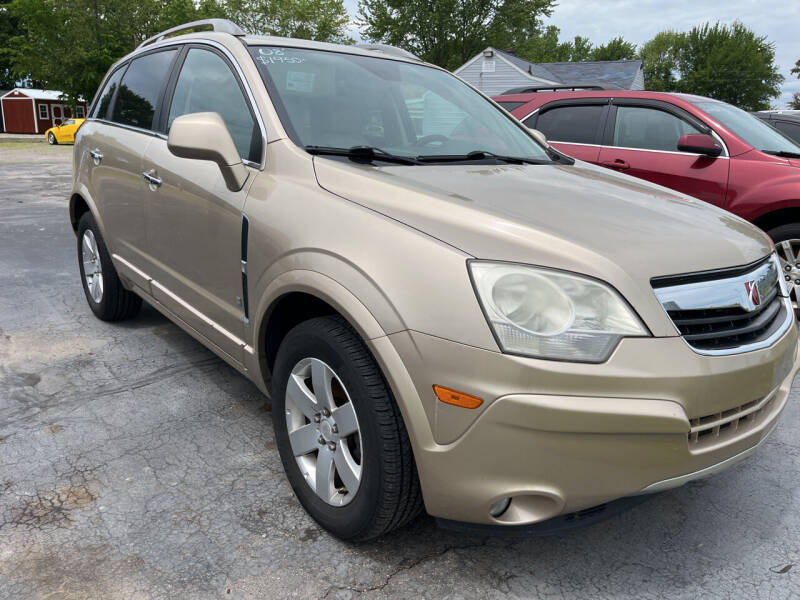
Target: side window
(207, 84)
(649, 129)
(790, 129)
(140, 89)
(101, 109)
(576, 124)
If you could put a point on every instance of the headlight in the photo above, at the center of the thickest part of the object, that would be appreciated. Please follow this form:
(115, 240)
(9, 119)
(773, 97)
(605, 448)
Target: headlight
(552, 314)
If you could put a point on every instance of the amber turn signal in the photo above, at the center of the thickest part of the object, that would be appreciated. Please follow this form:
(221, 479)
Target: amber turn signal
(455, 398)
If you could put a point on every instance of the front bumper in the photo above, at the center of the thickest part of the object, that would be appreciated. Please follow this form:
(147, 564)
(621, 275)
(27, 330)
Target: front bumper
(561, 449)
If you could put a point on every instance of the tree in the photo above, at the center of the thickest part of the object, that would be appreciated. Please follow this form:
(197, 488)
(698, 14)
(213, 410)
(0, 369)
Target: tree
(9, 29)
(449, 32)
(615, 49)
(726, 62)
(70, 44)
(794, 103)
(320, 20)
(660, 61)
(546, 47)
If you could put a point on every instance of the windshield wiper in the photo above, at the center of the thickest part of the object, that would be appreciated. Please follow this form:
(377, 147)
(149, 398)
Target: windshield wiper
(481, 155)
(362, 154)
(783, 153)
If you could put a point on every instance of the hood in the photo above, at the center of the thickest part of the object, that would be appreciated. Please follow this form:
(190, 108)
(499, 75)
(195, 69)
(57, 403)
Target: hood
(578, 217)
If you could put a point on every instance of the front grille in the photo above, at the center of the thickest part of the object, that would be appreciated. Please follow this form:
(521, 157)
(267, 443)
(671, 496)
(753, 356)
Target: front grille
(728, 311)
(726, 328)
(718, 427)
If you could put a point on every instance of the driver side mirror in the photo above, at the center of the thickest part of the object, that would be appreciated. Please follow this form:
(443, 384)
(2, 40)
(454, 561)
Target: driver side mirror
(540, 137)
(204, 136)
(699, 143)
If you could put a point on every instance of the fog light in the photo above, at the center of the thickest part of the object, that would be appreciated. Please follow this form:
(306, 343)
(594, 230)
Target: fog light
(499, 507)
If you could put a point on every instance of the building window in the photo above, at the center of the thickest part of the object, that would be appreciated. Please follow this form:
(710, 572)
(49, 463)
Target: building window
(44, 112)
(79, 114)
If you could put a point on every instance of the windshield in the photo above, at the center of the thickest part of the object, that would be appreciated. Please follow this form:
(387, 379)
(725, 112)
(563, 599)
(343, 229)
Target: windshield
(750, 129)
(338, 100)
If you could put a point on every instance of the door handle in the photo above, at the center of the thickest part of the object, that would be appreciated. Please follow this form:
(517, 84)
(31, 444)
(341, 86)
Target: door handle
(96, 156)
(617, 163)
(151, 179)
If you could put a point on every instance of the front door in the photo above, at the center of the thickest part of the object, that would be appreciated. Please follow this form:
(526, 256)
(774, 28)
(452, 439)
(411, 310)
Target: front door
(194, 222)
(643, 142)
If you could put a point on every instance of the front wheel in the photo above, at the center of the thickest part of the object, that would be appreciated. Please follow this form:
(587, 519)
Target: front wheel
(787, 245)
(51, 139)
(340, 434)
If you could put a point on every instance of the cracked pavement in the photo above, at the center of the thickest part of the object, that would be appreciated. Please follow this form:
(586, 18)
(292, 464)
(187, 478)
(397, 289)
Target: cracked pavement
(135, 464)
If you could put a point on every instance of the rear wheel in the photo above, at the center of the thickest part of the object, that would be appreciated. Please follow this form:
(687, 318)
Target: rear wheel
(787, 245)
(340, 434)
(106, 296)
(51, 139)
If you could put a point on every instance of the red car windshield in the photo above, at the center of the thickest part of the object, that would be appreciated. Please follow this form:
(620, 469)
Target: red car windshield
(750, 129)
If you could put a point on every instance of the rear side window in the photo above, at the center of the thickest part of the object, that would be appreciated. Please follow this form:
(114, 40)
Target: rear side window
(649, 129)
(790, 129)
(140, 89)
(207, 84)
(509, 106)
(101, 109)
(576, 124)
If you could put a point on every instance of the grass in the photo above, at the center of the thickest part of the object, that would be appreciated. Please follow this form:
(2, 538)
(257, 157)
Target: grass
(14, 145)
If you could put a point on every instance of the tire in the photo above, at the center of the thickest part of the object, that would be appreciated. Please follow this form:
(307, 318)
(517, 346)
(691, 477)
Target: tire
(51, 139)
(112, 302)
(388, 495)
(787, 245)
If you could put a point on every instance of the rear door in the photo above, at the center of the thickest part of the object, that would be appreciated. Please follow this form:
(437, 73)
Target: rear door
(575, 127)
(121, 130)
(641, 139)
(194, 222)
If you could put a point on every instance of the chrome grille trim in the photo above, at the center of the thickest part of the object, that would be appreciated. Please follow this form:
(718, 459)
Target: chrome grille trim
(717, 316)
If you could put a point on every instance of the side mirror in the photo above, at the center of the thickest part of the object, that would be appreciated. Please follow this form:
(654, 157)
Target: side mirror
(699, 143)
(204, 136)
(540, 137)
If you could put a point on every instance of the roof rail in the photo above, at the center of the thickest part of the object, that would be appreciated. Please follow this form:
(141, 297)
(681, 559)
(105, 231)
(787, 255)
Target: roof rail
(556, 88)
(221, 25)
(390, 50)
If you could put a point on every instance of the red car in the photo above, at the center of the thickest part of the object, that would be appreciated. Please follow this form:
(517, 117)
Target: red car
(699, 146)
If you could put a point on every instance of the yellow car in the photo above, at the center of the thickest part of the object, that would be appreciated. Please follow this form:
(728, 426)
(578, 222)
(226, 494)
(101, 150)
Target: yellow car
(63, 133)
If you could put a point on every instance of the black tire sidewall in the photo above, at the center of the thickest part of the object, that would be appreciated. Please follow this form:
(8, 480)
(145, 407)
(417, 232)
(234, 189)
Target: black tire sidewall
(781, 233)
(52, 139)
(350, 520)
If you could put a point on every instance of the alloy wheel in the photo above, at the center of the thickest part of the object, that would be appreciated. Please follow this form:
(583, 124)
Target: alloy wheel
(92, 269)
(323, 431)
(789, 255)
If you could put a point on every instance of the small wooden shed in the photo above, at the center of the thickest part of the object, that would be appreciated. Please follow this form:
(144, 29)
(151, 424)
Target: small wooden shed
(27, 110)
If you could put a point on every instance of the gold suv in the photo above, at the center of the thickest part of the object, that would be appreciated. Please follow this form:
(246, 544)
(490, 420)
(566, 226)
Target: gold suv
(444, 310)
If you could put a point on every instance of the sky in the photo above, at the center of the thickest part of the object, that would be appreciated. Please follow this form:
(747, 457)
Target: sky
(639, 20)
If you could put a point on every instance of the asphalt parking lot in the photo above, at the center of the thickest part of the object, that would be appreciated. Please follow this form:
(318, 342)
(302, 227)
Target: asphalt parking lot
(135, 464)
